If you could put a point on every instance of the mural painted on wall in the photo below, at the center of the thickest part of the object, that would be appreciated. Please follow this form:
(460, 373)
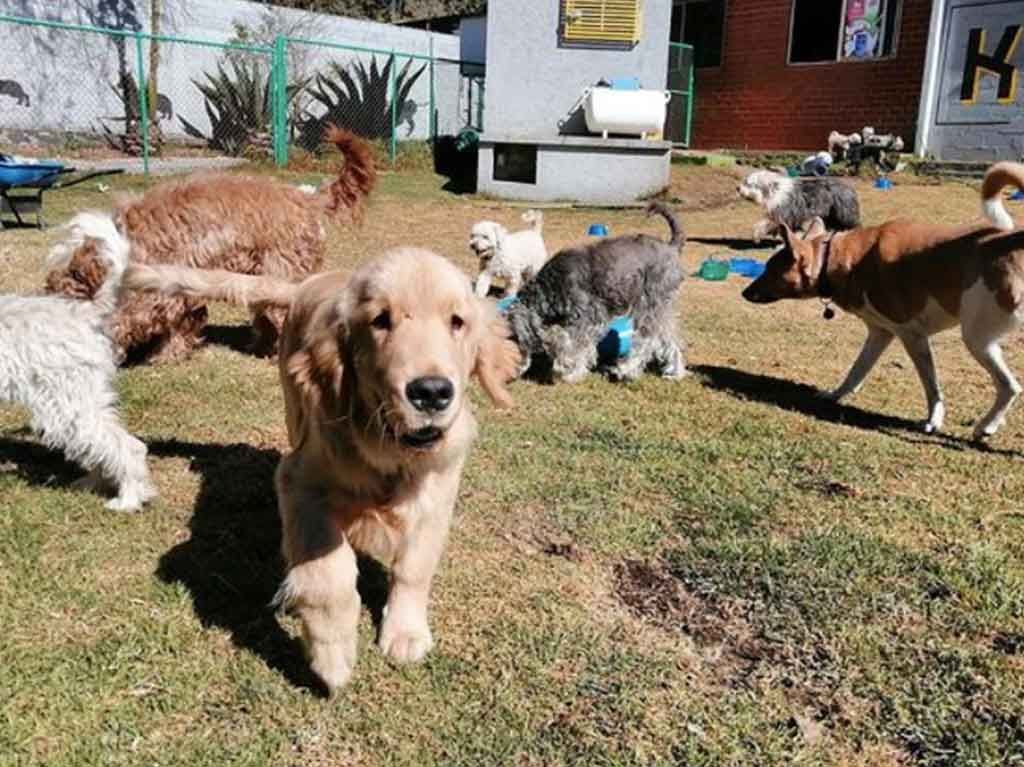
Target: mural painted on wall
(356, 97)
(983, 63)
(76, 82)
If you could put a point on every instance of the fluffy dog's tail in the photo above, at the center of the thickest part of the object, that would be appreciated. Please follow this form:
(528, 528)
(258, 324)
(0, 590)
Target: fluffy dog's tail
(210, 284)
(534, 219)
(678, 234)
(1000, 176)
(357, 179)
(97, 230)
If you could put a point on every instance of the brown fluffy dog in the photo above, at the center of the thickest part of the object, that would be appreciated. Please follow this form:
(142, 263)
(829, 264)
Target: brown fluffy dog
(244, 224)
(375, 371)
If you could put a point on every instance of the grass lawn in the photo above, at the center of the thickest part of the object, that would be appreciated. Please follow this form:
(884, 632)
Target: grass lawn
(718, 571)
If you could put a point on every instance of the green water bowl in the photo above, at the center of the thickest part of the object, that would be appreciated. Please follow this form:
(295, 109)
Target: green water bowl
(713, 271)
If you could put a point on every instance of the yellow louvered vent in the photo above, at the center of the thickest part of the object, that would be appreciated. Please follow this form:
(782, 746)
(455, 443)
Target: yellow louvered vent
(604, 21)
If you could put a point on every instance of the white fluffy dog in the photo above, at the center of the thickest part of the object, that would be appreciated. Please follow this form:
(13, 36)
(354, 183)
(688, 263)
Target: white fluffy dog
(57, 361)
(510, 256)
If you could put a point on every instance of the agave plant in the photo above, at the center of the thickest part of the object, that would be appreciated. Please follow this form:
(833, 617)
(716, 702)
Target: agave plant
(356, 97)
(238, 104)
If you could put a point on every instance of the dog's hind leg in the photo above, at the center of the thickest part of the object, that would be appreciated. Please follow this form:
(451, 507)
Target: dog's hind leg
(90, 433)
(320, 586)
(919, 348)
(984, 324)
(573, 355)
(877, 342)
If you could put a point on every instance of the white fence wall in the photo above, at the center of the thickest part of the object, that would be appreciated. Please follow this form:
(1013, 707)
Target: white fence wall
(59, 80)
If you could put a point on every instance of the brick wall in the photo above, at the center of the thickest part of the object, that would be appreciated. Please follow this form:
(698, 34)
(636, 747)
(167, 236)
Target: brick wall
(756, 101)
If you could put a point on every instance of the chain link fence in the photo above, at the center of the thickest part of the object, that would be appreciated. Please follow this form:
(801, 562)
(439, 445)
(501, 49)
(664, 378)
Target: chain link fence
(86, 91)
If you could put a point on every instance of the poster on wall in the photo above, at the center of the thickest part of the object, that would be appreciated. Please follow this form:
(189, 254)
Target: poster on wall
(863, 29)
(982, 63)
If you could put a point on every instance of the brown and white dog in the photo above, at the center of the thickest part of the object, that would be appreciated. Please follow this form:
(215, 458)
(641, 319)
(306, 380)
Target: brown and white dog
(911, 280)
(375, 370)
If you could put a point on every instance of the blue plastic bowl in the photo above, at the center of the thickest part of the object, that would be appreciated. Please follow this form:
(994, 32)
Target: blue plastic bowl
(884, 184)
(618, 341)
(598, 230)
(29, 174)
(746, 267)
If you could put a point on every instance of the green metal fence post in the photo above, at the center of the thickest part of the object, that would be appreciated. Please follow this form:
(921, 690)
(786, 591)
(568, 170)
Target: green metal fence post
(433, 74)
(279, 79)
(394, 107)
(689, 100)
(143, 103)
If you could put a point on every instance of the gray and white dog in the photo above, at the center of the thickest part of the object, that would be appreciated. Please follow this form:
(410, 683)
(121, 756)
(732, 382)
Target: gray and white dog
(563, 312)
(796, 202)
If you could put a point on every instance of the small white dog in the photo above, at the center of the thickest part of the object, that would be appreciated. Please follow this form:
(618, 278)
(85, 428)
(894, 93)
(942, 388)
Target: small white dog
(57, 361)
(512, 256)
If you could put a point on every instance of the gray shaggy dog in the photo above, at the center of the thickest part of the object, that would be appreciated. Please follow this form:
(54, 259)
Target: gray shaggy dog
(796, 202)
(564, 311)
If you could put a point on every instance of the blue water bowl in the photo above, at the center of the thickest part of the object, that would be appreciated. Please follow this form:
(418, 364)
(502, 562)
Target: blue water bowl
(598, 230)
(746, 267)
(1018, 196)
(618, 341)
(884, 184)
(506, 303)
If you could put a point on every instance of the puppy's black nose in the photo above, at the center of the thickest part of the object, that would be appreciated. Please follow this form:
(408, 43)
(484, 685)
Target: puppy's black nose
(431, 394)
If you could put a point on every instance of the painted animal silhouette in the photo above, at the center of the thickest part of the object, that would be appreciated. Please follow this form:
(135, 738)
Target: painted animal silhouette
(164, 107)
(13, 89)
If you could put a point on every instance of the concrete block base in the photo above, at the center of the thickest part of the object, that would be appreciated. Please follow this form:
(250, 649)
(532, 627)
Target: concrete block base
(581, 169)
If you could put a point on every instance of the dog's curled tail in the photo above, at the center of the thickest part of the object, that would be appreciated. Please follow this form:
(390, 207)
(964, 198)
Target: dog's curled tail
(210, 284)
(1000, 176)
(678, 234)
(112, 249)
(357, 178)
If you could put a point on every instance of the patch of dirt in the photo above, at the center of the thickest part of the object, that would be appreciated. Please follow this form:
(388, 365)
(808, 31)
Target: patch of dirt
(705, 188)
(731, 644)
(548, 543)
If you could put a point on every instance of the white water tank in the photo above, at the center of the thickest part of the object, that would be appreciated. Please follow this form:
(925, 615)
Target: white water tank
(629, 112)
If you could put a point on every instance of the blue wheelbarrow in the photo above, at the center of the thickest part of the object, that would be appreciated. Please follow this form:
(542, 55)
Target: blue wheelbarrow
(22, 184)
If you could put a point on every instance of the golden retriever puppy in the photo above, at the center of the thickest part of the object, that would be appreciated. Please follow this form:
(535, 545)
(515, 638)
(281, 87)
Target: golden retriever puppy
(376, 371)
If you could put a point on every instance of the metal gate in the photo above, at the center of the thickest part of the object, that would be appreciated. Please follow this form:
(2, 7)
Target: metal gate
(679, 122)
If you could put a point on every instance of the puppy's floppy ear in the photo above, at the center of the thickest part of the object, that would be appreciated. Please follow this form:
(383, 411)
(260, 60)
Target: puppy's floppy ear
(787, 236)
(317, 368)
(496, 360)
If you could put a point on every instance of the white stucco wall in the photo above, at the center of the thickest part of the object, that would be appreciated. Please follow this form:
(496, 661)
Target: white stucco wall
(67, 78)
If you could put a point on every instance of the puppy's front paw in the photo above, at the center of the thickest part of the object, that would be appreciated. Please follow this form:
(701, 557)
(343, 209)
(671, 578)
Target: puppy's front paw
(332, 662)
(408, 643)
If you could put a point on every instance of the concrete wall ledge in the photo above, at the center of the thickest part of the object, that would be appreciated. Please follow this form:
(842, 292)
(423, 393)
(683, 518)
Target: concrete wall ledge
(584, 142)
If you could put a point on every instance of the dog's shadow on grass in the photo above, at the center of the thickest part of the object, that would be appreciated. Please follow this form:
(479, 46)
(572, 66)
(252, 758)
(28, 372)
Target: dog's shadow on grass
(237, 338)
(737, 243)
(801, 398)
(231, 562)
(22, 456)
